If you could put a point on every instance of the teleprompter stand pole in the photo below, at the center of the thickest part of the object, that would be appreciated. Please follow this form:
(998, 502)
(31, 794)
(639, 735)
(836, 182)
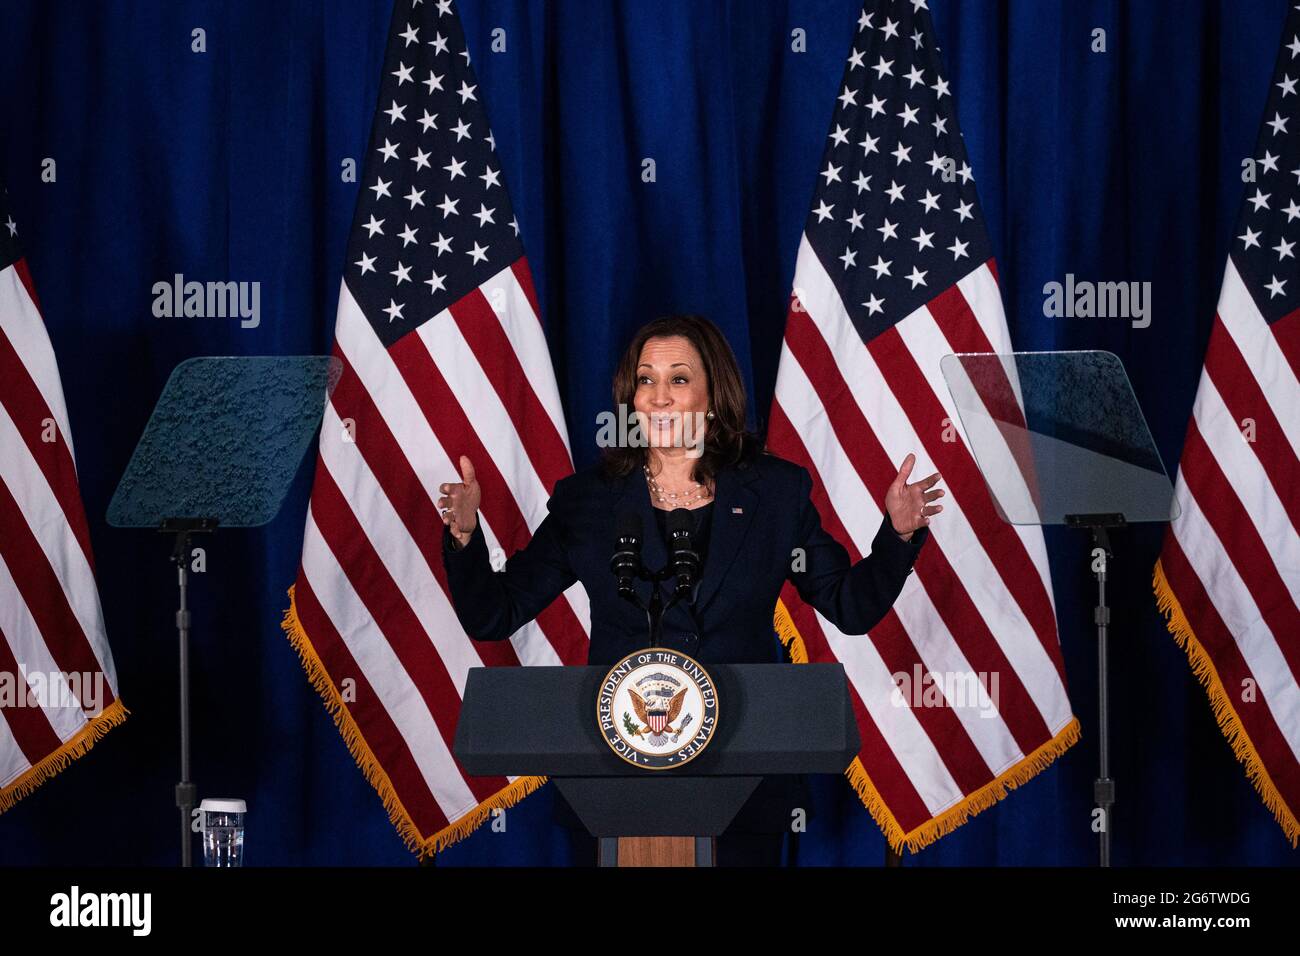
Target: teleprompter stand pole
(186, 792)
(1103, 788)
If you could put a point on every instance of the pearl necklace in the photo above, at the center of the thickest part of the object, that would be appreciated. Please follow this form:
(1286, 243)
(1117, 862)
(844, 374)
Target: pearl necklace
(675, 498)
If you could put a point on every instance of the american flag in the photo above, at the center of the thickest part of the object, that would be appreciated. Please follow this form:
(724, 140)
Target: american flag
(1229, 570)
(443, 355)
(894, 272)
(58, 685)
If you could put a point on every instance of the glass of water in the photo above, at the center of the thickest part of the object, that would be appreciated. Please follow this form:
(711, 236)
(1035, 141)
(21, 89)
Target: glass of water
(223, 831)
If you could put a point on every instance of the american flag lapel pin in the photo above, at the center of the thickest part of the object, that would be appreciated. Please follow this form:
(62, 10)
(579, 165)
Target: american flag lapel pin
(737, 511)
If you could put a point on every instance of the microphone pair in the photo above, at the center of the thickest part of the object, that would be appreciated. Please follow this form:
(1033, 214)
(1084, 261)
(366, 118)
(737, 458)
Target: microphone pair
(683, 559)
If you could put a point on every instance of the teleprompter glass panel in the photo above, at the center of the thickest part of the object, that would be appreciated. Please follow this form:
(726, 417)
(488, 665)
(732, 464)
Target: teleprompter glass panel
(224, 440)
(1059, 434)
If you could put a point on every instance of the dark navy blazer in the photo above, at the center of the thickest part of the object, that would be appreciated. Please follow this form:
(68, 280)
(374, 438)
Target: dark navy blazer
(763, 515)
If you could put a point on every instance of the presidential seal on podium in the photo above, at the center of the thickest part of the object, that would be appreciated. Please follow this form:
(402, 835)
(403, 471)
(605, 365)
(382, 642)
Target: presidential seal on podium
(657, 708)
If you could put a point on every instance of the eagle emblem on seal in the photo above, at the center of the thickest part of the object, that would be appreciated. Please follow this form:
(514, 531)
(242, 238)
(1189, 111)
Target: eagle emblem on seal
(657, 713)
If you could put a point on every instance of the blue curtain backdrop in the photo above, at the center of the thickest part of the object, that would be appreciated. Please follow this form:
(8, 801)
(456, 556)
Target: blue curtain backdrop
(226, 165)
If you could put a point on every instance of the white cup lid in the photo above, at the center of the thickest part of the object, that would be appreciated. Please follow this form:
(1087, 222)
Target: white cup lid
(223, 805)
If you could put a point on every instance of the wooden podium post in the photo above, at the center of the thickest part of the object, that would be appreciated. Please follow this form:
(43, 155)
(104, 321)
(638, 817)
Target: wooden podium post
(658, 851)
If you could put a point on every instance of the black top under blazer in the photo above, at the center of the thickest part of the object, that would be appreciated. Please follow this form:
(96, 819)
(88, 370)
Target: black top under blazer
(763, 511)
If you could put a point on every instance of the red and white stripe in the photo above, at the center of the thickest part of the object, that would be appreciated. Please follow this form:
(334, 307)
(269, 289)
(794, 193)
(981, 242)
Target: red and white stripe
(371, 594)
(51, 622)
(981, 598)
(1232, 556)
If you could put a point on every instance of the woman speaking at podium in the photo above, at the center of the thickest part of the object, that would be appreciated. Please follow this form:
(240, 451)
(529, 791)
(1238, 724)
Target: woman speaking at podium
(755, 526)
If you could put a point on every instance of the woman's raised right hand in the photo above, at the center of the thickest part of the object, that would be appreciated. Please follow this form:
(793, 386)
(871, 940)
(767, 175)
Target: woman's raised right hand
(459, 502)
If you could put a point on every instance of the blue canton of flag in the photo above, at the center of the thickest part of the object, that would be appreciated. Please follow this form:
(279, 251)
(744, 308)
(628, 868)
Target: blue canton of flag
(895, 216)
(432, 186)
(1266, 259)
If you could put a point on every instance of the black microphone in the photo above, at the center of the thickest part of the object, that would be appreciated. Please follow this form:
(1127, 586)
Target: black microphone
(626, 562)
(683, 558)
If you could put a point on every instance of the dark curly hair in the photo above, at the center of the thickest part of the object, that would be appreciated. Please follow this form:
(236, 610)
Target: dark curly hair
(726, 440)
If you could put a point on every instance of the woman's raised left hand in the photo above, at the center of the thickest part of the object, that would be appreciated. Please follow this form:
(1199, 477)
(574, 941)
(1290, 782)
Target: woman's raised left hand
(909, 505)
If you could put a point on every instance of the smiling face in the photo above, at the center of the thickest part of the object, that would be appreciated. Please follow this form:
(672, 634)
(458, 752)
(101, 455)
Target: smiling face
(672, 393)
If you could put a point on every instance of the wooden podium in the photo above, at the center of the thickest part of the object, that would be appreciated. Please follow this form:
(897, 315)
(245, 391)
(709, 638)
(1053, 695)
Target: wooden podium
(773, 719)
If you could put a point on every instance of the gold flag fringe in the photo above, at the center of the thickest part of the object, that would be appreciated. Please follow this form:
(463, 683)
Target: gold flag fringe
(954, 816)
(977, 802)
(373, 771)
(1221, 702)
(78, 744)
(789, 634)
